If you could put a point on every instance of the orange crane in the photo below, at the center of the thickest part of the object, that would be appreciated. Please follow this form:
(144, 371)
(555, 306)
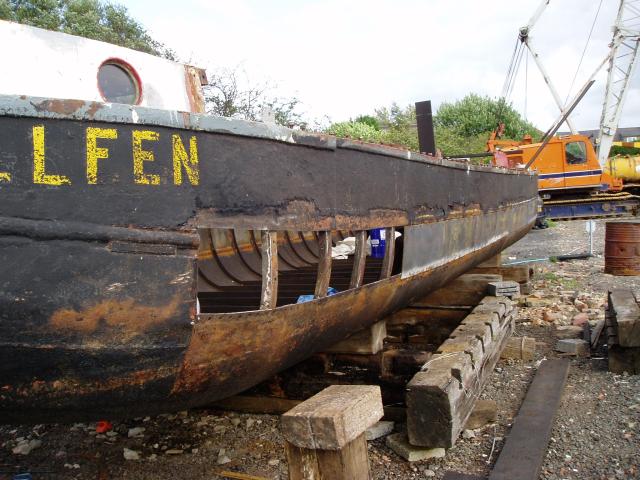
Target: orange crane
(574, 181)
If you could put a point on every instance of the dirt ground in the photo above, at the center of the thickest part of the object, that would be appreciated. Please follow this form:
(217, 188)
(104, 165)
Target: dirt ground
(595, 435)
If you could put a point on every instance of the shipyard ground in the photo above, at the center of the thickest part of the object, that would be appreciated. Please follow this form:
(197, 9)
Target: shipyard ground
(596, 433)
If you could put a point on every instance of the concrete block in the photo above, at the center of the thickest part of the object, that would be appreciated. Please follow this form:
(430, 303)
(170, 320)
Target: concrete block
(574, 346)
(379, 429)
(399, 443)
(507, 288)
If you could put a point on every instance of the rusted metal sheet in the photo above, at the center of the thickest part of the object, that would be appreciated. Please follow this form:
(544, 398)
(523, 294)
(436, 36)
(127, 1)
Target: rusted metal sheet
(140, 250)
(622, 248)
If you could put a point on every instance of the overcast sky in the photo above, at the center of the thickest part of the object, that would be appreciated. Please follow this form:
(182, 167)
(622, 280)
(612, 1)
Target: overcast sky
(346, 58)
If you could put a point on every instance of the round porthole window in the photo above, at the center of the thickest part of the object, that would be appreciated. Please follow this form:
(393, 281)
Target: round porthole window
(119, 83)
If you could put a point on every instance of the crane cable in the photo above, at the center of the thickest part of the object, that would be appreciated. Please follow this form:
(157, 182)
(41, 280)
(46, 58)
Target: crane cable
(509, 82)
(584, 50)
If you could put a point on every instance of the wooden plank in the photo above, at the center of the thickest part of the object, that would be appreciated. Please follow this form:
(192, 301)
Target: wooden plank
(520, 348)
(624, 359)
(467, 289)
(389, 252)
(257, 404)
(517, 273)
(626, 316)
(441, 397)
(269, 251)
(332, 418)
(359, 259)
(451, 475)
(367, 341)
(349, 463)
(324, 264)
(525, 447)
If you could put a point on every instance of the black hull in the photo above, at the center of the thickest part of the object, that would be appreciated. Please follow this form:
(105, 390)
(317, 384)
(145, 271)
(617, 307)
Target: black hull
(101, 274)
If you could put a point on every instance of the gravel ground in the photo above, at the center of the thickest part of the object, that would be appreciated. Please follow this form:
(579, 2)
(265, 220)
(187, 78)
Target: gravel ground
(595, 435)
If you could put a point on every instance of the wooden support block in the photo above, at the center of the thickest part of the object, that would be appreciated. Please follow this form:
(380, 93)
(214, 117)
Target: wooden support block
(441, 397)
(624, 359)
(367, 341)
(350, 462)
(517, 273)
(520, 348)
(467, 289)
(256, 404)
(495, 261)
(325, 435)
(333, 417)
(625, 315)
(484, 412)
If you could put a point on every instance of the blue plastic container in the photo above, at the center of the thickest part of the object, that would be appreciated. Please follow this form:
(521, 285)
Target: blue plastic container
(378, 242)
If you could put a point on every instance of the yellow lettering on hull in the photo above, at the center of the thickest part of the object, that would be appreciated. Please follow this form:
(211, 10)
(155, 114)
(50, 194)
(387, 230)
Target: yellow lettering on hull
(140, 156)
(183, 160)
(39, 175)
(94, 153)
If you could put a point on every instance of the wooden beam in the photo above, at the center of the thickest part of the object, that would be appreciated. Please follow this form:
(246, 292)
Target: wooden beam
(359, 259)
(526, 445)
(333, 417)
(389, 252)
(257, 404)
(269, 252)
(325, 435)
(324, 264)
(367, 341)
(520, 348)
(625, 314)
(441, 397)
(467, 289)
(351, 462)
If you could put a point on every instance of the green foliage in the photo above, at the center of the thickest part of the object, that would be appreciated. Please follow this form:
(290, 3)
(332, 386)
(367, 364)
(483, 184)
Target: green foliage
(620, 150)
(369, 120)
(461, 127)
(452, 143)
(6, 13)
(355, 130)
(86, 18)
(474, 115)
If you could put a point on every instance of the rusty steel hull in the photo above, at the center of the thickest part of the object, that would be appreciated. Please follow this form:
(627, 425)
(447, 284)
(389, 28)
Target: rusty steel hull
(108, 242)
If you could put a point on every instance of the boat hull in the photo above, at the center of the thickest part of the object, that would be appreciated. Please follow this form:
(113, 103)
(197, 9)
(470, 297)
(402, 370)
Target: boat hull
(99, 300)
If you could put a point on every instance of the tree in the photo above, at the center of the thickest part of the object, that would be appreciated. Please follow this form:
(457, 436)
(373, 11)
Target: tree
(230, 95)
(474, 115)
(93, 19)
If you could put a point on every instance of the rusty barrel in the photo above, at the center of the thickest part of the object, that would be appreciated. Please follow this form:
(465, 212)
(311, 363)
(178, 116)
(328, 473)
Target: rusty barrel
(622, 248)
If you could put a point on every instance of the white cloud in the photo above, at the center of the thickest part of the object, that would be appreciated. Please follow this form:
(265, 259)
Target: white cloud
(344, 58)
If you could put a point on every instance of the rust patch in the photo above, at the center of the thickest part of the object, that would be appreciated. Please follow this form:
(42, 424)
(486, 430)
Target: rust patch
(93, 108)
(126, 315)
(65, 107)
(64, 387)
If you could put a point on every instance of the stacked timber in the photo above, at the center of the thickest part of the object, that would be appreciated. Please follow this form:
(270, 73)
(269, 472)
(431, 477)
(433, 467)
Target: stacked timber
(441, 397)
(622, 321)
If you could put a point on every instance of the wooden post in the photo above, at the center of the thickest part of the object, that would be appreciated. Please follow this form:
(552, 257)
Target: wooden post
(359, 259)
(325, 435)
(324, 264)
(269, 251)
(389, 252)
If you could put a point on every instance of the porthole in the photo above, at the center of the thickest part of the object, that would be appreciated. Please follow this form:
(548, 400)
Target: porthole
(118, 82)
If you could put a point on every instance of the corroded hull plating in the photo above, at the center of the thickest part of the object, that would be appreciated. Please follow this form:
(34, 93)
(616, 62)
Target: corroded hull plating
(115, 220)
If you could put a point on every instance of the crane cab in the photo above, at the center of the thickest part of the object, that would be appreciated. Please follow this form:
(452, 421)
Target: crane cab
(566, 164)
